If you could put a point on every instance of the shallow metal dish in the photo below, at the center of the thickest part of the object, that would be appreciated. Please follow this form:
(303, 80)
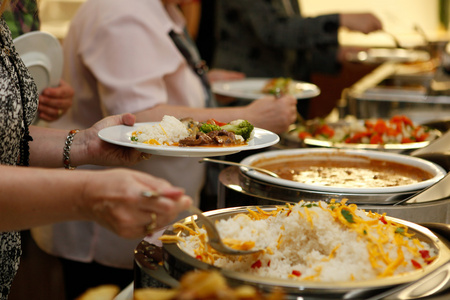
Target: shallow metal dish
(290, 138)
(342, 155)
(177, 262)
(380, 55)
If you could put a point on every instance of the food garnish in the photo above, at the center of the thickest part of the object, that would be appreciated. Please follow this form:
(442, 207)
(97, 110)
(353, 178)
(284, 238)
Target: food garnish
(276, 86)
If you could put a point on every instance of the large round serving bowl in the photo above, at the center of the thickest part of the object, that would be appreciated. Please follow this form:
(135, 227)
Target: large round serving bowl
(175, 262)
(355, 159)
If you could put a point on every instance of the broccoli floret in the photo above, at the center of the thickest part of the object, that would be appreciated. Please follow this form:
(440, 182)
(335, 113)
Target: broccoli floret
(240, 127)
(205, 127)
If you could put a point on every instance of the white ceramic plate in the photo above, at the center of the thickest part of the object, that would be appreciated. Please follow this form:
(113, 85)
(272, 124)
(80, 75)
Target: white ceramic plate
(305, 154)
(42, 54)
(120, 135)
(250, 88)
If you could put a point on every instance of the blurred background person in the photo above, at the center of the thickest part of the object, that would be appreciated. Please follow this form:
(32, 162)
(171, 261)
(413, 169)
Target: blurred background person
(271, 39)
(23, 17)
(135, 56)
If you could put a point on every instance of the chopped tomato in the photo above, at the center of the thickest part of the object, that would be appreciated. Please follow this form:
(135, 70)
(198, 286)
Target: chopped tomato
(424, 253)
(257, 264)
(268, 263)
(303, 135)
(357, 137)
(416, 264)
(422, 137)
(296, 273)
(383, 220)
(392, 131)
(199, 257)
(376, 139)
(407, 140)
(324, 130)
(368, 124)
(218, 123)
(380, 126)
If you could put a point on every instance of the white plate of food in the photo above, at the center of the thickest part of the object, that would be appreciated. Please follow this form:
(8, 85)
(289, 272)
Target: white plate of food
(253, 88)
(42, 54)
(122, 135)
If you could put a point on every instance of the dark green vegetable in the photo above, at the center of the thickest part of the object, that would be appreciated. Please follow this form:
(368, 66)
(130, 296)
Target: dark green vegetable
(240, 127)
(400, 230)
(348, 216)
(205, 128)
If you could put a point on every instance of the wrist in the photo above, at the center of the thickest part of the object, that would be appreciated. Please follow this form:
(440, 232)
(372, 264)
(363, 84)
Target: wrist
(67, 150)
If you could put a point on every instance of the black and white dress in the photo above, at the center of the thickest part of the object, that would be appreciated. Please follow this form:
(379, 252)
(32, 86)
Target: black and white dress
(18, 106)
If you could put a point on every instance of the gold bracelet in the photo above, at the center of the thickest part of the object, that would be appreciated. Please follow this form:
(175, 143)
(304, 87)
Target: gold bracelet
(66, 152)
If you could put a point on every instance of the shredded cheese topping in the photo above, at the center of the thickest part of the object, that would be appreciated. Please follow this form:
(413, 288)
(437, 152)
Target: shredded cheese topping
(383, 238)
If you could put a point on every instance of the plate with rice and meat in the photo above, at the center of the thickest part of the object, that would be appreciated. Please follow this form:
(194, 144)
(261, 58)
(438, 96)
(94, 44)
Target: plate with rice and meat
(189, 138)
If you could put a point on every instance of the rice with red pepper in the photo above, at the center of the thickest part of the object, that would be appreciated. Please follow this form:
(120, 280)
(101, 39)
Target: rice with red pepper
(312, 241)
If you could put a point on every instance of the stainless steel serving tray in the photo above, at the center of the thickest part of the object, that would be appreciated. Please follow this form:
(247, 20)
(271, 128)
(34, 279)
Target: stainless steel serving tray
(290, 140)
(177, 262)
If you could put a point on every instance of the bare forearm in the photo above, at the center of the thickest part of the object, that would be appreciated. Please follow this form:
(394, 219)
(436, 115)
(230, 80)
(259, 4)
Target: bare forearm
(46, 149)
(33, 196)
(224, 114)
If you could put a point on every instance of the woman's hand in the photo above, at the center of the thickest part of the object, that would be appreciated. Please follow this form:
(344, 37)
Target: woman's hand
(114, 199)
(88, 148)
(362, 22)
(55, 101)
(273, 114)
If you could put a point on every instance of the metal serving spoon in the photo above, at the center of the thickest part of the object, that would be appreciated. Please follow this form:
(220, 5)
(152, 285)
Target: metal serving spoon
(214, 237)
(213, 234)
(225, 162)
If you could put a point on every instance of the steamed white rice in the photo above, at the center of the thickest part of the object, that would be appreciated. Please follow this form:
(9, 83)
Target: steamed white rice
(314, 242)
(168, 132)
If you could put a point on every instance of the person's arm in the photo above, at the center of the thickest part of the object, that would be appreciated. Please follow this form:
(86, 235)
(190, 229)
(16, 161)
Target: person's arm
(113, 198)
(46, 149)
(192, 11)
(268, 113)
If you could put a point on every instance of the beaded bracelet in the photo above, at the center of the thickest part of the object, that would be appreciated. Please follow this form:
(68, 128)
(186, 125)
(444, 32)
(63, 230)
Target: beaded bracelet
(66, 152)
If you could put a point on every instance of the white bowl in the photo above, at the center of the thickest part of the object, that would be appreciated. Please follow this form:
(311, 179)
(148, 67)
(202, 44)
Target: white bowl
(435, 170)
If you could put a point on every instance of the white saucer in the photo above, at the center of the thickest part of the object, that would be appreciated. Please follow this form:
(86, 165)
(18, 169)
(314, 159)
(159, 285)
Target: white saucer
(42, 54)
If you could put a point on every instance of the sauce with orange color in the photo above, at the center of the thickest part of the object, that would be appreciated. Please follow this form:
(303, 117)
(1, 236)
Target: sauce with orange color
(366, 173)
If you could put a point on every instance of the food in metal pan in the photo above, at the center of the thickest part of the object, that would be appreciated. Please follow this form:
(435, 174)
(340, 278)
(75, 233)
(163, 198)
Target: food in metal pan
(311, 241)
(397, 130)
(341, 170)
(187, 132)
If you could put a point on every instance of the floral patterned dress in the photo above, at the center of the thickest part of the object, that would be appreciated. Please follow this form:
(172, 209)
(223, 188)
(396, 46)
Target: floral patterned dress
(18, 106)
